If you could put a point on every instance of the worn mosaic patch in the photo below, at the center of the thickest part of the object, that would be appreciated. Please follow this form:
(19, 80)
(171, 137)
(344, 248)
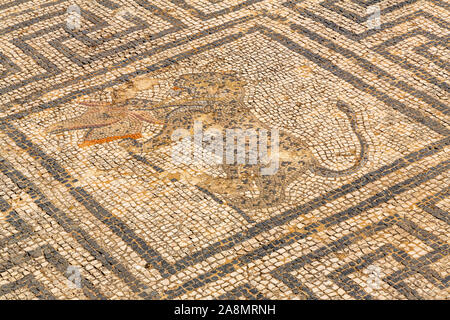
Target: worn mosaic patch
(224, 149)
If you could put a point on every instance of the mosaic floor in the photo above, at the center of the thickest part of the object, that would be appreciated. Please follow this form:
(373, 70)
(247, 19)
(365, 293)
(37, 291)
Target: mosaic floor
(93, 205)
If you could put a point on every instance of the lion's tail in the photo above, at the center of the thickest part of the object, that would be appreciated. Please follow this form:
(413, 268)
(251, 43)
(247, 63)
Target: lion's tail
(363, 155)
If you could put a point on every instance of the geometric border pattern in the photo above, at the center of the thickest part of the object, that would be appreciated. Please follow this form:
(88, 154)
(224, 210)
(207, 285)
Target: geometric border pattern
(151, 256)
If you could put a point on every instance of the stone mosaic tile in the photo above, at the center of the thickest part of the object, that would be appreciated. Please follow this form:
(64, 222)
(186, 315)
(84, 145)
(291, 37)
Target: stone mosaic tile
(101, 196)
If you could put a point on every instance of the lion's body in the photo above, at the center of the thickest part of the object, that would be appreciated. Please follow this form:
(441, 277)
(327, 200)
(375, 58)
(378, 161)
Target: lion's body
(217, 98)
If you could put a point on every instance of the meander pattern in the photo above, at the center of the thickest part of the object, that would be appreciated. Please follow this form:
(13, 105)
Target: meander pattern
(92, 205)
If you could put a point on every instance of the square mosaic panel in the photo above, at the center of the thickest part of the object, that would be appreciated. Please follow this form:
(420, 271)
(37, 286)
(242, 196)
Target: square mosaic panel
(106, 191)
